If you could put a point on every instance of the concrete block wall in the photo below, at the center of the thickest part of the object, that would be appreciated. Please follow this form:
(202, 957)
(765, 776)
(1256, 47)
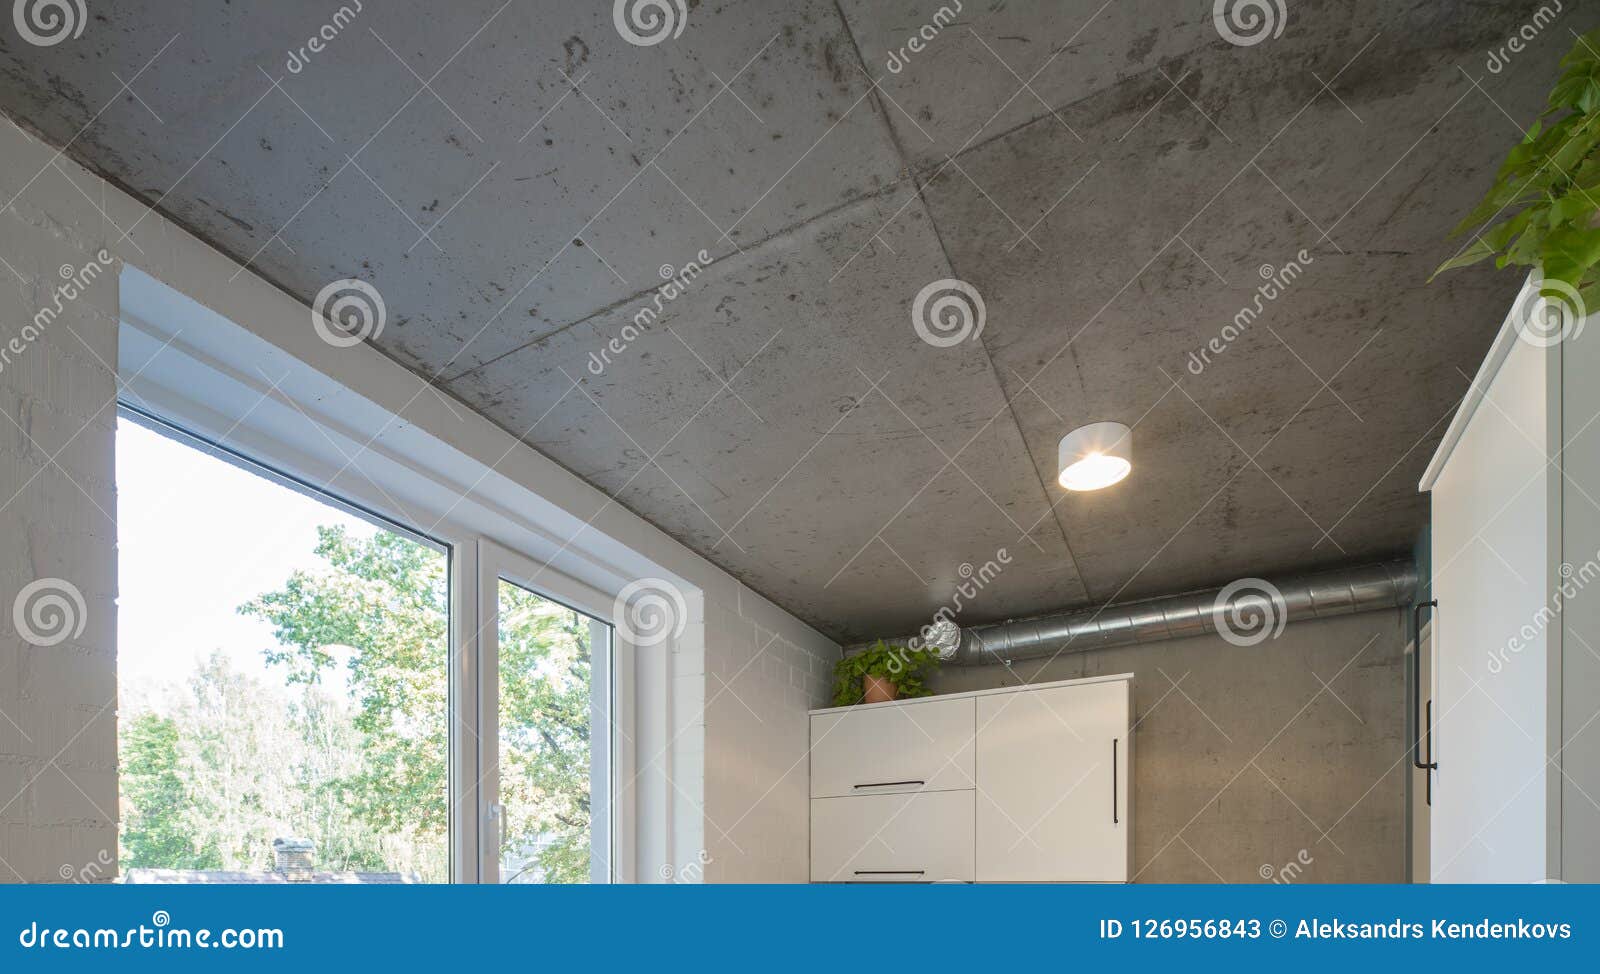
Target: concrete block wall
(58, 779)
(1246, 768)
(759, 687)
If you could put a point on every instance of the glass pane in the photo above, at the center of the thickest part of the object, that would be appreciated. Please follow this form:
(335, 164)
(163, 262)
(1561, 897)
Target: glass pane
(282, 679)
(546, 749)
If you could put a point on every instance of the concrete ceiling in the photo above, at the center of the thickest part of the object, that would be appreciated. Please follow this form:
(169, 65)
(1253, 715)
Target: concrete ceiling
(1114, 180)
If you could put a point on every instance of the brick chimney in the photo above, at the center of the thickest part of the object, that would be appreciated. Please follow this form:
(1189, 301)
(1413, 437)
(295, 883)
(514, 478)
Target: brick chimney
(293, 858)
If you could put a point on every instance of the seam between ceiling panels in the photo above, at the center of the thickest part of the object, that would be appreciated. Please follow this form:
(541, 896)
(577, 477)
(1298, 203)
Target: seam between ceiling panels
(908, 166)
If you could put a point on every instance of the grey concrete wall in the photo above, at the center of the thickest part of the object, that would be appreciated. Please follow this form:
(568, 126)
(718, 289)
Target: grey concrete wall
(1284, 761)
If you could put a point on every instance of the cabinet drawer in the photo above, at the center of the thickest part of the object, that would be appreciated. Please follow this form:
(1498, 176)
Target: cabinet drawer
(883, 750)
(916, 838)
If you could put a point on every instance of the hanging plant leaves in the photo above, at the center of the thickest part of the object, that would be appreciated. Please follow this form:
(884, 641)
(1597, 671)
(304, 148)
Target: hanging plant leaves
(1544, 207)
(1569, 252)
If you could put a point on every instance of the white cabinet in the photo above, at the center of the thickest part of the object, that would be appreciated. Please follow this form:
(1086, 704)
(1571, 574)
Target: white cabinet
(1515, 535)
(927, 747)
(1019, 784)
(892, 838)
(1053, 785)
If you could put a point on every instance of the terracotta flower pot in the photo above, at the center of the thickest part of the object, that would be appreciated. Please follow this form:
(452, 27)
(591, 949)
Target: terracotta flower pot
(878, 689)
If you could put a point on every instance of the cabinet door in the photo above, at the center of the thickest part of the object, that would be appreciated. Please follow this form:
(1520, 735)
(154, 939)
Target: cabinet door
(1495, 563)
(875, 750)
(1053, 785)
(920, 838)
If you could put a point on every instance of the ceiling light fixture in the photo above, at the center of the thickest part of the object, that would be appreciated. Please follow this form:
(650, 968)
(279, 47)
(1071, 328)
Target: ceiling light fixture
(1095, 456)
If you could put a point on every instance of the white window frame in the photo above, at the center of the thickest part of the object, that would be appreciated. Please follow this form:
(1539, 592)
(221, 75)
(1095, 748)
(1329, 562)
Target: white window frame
(610, 763)
(189, 367)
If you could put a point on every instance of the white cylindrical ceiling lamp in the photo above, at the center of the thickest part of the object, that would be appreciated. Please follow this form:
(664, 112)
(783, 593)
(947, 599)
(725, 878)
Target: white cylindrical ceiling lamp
(1095, 456)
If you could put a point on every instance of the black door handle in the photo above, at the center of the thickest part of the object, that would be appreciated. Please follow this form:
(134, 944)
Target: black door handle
(1113, 781)
(888, 784)
(1416, 703)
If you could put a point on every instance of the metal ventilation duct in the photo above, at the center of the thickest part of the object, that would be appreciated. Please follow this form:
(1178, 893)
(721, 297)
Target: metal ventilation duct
(1249, 611)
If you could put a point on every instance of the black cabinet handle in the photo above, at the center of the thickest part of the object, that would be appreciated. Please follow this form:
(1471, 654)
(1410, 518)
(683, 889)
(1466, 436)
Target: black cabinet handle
(889, 784)
(1416, 704)
(889, 872)
(1113, 781)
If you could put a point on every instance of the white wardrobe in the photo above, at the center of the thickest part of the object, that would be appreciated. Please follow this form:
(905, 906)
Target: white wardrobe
(1515, 636)
(1019, 784)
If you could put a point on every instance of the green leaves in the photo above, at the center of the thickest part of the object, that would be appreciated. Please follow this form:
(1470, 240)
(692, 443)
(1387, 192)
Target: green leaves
(545, 753)
(1577, 92)
(1546, 195)
(1579, 87)
(900, 665)
(352, 750)
(1479, 249)
(152, 791)
(1569, 251)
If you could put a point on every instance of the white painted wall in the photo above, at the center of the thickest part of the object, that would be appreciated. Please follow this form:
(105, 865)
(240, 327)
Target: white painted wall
(759, 686)
(732, 699)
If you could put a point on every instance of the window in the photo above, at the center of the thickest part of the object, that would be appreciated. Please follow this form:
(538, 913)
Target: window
(283, 677)
(374, 648)
(284, 689)
(548, 753)
(546, 735)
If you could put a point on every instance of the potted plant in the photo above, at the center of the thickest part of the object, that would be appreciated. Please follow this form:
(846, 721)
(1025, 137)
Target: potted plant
(1545, 201)
(881, 673)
